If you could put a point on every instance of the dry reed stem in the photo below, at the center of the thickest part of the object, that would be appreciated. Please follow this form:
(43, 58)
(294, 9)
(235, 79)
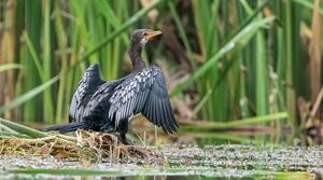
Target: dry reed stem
(86, 146)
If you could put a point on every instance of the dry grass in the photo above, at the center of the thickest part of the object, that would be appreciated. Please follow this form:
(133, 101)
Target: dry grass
(86, 146)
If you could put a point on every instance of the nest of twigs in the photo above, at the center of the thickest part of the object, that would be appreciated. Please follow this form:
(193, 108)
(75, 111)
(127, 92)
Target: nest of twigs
(85, 146)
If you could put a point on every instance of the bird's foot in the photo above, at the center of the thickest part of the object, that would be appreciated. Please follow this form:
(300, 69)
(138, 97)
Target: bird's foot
(123, 139)
(107, 128)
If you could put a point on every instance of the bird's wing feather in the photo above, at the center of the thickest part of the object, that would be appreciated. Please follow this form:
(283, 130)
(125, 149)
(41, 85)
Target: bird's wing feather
(130, 96)
(100, 97)
(144, 92)
(87, 86)
(157, 108)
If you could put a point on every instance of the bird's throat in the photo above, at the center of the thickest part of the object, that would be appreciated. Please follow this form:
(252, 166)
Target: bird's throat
(135, 57)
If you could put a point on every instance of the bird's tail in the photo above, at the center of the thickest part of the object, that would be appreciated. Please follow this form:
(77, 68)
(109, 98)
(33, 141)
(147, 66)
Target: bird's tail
(65, 128)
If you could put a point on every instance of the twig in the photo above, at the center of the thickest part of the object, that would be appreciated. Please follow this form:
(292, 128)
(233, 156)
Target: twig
(317, 103)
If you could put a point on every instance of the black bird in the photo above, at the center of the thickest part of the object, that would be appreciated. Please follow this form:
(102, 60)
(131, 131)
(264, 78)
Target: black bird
(89, 83)
(107, 106)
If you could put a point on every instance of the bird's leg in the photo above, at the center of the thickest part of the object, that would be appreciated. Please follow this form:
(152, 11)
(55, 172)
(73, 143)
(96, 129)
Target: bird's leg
(107, 127)
(123, 129)
(123, 139)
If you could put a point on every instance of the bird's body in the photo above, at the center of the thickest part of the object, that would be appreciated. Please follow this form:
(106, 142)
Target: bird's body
(107, 106)
(89, 83)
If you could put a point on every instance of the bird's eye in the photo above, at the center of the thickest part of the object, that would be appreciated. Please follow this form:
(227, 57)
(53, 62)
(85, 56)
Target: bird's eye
(145, 33)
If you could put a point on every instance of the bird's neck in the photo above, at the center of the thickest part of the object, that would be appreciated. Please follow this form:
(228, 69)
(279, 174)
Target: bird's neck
(135, 57)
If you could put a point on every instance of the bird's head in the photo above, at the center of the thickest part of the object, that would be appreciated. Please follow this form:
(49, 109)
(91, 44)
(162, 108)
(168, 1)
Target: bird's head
(142, 36)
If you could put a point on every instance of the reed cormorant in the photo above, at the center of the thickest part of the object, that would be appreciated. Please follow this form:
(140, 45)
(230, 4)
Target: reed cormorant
(107, 106)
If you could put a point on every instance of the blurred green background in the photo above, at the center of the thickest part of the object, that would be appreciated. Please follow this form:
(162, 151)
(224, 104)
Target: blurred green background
(233, 65)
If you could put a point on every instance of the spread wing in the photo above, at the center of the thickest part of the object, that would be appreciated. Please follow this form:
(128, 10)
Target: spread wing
(87, 86)
(145, 93)
(158, 108)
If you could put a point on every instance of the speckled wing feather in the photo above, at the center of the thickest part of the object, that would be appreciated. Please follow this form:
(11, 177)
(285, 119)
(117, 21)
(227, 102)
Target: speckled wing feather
(96, 111)
(87, 86)
(145, 93)
(157, 107)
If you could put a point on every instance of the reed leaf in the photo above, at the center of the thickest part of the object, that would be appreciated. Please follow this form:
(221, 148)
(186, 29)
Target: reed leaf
(33, 26)
(238, 123)
(308, 4)
(27, 96)
(21, 129)
(6, 67)
(238, 41)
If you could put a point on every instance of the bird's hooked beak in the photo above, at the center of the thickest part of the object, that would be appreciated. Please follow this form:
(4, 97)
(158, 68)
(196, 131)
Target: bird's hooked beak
(152, 34)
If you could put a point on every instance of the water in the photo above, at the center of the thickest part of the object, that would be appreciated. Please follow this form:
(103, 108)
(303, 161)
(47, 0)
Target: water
(181, 162)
